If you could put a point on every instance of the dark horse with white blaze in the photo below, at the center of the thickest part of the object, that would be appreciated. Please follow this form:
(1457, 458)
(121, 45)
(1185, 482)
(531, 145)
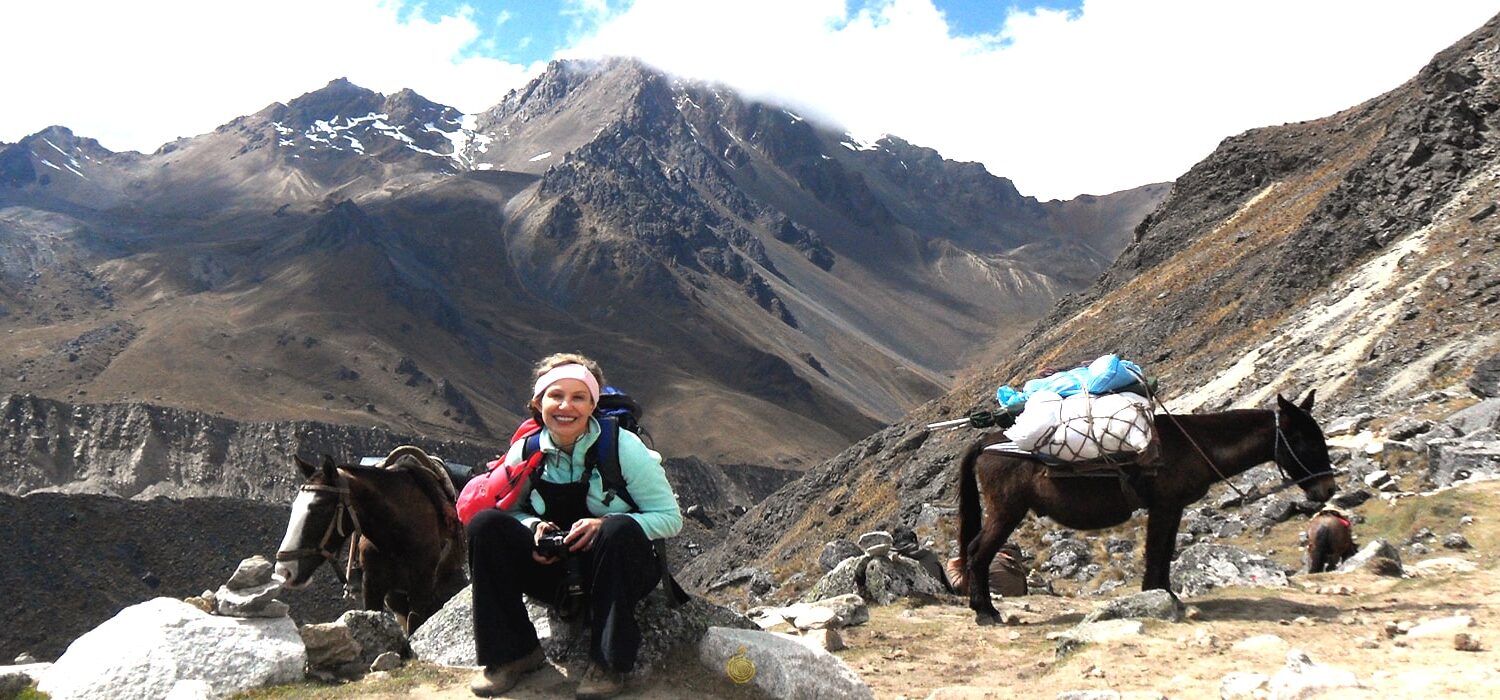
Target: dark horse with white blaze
(407, 538)
(1196, 452)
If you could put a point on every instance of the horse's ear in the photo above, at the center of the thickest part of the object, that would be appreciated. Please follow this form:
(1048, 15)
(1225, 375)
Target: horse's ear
(329, 467)
(304, 466)
(1307, 403)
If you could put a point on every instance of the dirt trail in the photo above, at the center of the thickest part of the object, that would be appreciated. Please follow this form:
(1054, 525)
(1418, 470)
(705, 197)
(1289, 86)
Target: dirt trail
(1347, 621)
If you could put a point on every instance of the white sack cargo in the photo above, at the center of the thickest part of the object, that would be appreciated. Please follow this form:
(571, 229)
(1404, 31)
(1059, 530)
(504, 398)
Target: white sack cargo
(1084, 427)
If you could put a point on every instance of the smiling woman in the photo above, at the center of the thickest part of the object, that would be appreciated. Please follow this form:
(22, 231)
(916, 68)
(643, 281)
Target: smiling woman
(572, 540)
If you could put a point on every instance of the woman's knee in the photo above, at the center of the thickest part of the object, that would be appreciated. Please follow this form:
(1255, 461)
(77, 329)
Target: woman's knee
(494, 527)
(617, 529)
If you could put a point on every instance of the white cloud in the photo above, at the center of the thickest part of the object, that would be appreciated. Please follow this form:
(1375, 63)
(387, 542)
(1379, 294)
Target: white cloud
(136, 75)
(1124, 93)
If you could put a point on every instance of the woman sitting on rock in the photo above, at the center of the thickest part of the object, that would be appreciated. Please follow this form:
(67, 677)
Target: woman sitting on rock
(605, 544)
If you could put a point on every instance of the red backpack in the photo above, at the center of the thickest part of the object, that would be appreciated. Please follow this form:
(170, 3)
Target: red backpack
(501, 486)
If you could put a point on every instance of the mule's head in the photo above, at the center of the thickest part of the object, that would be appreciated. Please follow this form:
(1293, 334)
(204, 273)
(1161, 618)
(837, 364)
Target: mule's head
(1301, 452)
(319, 524)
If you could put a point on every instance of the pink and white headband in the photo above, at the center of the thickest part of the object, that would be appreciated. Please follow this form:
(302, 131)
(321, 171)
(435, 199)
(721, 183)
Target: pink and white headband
(568, 371)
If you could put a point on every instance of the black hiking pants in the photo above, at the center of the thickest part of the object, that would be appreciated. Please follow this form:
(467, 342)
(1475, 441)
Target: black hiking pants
(619, 571)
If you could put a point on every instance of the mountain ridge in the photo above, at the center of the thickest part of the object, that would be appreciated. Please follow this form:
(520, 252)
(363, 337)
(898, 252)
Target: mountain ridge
(728, 261)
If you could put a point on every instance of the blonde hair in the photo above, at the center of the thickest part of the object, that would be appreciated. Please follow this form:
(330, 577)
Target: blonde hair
(557, 360)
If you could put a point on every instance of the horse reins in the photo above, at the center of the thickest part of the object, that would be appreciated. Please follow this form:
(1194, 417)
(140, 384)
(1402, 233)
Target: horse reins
(335, 528)
(1281, 439)
(1206, 459)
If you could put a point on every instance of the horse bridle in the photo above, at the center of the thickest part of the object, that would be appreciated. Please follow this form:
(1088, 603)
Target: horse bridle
(1282, 439)
(335, 529)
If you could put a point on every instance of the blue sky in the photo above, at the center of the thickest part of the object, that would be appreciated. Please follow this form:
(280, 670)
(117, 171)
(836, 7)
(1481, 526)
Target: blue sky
(525, 31)
(1063, 97)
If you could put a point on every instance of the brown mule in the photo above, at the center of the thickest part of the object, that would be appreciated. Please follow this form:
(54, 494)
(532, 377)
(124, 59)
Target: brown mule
(409, 543)
(1196, 452)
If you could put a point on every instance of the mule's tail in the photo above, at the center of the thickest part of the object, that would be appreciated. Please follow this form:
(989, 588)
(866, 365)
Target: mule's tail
(969, 510)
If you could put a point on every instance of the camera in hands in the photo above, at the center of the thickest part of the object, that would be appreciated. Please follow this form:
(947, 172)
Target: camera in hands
(570, 597)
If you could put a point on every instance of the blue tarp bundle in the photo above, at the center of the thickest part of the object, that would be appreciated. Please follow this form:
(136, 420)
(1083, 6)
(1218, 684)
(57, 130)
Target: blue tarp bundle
(1102, 376)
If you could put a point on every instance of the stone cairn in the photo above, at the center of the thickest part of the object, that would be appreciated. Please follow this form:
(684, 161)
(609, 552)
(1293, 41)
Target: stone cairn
(250, 592)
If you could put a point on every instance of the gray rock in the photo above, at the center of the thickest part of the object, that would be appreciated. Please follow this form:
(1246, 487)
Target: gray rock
(330, 646)
(251, 602)
(147, 648)
(843, 580)
(252, 573)
(1456, 541)
(889, 580)
(1379, 556)
(757, 581)
(376, 633)
(387, 661)
(1452, 463)
(850, 609)
(1407, 428)
(1301, 678)
(1119, 545)
(929, 524)
(1485, 379)
(1351, 499)
(1347, 425)
(1480, 416)
(1089, 695)
(877, 543)
(448, 636)
(1205, 566)
(1067, 558)
(836, 552)
(781, 666)
(1154, 604)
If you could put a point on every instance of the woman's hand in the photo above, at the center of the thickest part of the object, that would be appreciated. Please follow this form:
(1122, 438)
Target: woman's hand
(542, 528)
(583, 534)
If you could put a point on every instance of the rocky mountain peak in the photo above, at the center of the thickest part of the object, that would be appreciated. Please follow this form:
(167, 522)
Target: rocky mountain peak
(339, 98)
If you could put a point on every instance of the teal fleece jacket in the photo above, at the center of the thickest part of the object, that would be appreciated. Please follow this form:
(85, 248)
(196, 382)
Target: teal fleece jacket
(641, 467)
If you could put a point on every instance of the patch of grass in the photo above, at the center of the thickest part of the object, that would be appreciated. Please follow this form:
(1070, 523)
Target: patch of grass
(31, 693)
(402, 681)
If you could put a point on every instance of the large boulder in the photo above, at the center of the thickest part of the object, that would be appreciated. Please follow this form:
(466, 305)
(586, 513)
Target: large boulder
(1154, 604)
(1454, 461)
(1484, 415)
(1379, 556)
(1202, 567)
(780, 665)
(836, 551)
(147, 648)
(447, 637)
(1485, 380)
(845, 579)
(888, 580)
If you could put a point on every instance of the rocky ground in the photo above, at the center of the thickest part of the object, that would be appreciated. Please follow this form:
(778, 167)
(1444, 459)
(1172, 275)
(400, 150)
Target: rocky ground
(1357, 622)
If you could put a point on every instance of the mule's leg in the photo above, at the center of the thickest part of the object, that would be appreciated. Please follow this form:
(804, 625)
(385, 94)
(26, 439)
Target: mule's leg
(1161, 543)
(982, 553)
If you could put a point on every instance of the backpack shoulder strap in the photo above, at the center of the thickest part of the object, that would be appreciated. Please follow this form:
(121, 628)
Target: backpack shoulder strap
(606, 457)
(532, 446)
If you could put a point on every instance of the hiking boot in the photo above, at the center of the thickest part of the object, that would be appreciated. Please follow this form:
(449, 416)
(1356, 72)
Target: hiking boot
(494, 680)
(599, 683)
